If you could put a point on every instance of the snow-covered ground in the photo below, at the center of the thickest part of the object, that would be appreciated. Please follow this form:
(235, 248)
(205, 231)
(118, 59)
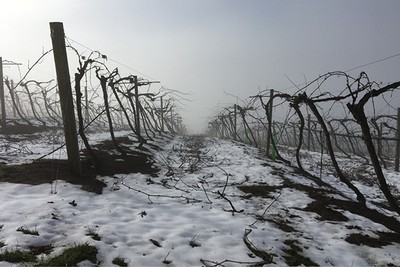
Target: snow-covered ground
(193, 212)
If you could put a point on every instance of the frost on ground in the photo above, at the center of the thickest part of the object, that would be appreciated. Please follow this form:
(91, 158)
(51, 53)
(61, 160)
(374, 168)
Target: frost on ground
(208, 202)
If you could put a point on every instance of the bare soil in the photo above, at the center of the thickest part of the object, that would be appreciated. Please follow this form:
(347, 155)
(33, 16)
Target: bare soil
(47, 171)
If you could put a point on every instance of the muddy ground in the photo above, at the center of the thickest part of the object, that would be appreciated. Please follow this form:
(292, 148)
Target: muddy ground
(108, 164)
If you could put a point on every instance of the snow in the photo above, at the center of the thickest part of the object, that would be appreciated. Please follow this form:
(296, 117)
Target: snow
(175, 210)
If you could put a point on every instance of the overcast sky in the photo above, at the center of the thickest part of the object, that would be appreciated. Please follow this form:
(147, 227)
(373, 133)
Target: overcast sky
(206, 47)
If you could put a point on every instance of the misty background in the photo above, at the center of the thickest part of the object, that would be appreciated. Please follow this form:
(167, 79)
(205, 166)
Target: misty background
(213, 50)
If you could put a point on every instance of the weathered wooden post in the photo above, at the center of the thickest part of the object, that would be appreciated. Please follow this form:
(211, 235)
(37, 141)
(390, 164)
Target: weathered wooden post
(2, 102)
(321, 136)
(309, 132)
(270, 108)
(12, 92)
(171, 118)
(397, 159)
(162, 114)
(64, 88)
(235, 122)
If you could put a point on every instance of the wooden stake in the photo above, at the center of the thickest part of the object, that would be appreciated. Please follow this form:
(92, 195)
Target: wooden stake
(12, 92)
(64, 88)
(309, 132)
(2, 102)
(235, 122)
(397, 159)
(162, 115)
(269, 134)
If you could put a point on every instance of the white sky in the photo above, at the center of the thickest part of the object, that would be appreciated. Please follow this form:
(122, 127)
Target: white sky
(208, 46)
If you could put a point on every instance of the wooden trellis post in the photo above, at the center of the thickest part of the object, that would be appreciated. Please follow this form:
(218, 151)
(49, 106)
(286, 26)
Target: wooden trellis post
(309, 132)
(162, 114)
(270, 108)
(2, 93)
(235, 122)
(397, 159)
(3, 103)
(64, 88)
(12, 92)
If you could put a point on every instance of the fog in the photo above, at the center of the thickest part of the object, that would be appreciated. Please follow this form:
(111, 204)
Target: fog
(212, 50)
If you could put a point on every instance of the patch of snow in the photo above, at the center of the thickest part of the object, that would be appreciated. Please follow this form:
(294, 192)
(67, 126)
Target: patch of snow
(183, 204)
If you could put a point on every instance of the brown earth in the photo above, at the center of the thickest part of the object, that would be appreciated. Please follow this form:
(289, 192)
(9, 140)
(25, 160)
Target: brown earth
(47, 171)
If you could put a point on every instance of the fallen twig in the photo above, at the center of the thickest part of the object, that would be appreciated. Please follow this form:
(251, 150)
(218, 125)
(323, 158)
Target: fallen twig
(230, 203)
(227, 179)
(209, 263)
(266, 209)
(188, 199)
(155, 243)
(205, 192)
(259, 253)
